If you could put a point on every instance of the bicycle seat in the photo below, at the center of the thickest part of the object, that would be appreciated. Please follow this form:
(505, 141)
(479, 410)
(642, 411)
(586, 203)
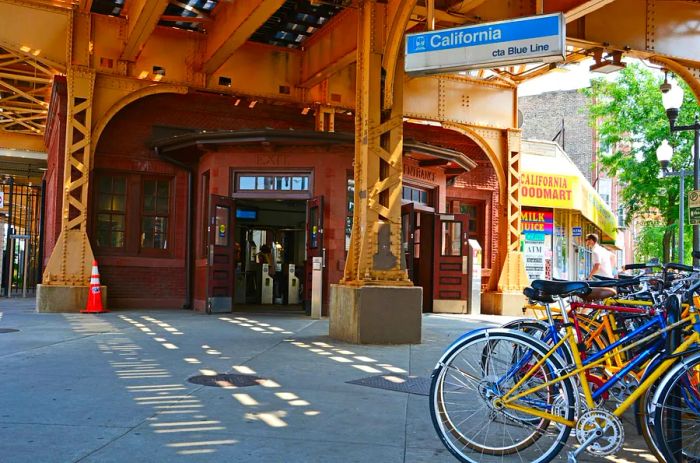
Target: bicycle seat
(598, 293)
(562, 288)
(535, 295)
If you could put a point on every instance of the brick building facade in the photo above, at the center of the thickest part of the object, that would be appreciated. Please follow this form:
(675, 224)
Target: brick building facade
(545, 115)
(160, 160)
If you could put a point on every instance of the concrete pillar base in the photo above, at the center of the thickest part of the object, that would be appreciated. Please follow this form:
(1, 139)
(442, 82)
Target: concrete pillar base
(505, 303)
(376, 314)
(64, 298)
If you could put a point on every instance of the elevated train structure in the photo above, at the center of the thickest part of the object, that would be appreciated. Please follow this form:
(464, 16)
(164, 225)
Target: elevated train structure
(182, 136)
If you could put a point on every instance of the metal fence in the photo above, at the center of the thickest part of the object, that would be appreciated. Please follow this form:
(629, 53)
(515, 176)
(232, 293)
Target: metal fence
(20, 238)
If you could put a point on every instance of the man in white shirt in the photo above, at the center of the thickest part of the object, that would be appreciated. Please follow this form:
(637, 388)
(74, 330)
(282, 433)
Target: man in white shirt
(602, 258)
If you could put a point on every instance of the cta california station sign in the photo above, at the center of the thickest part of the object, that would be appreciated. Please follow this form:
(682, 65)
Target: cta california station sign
(531, 39)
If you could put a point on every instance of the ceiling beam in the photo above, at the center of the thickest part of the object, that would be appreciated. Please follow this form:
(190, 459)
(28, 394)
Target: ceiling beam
(85, 6)
(233, 25)
(585, 8)
(142, 19)
(330, 49)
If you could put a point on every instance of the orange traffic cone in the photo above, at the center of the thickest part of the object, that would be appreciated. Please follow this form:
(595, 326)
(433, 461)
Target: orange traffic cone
(94, 303)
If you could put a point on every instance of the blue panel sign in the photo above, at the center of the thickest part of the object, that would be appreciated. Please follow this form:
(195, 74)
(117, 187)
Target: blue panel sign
(524, 40)
(576, 231)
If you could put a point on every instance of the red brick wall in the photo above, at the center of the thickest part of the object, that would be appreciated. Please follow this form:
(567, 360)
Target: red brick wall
(480, 183)
(55, 140)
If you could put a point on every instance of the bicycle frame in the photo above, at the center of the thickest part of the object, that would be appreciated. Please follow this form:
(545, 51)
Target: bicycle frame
(508, 399)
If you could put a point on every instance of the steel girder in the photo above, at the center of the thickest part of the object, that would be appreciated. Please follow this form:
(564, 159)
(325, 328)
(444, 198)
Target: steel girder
(143, 15)
(233, 24)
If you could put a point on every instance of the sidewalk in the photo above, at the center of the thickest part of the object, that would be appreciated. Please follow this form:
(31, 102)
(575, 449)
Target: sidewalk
(113, 388)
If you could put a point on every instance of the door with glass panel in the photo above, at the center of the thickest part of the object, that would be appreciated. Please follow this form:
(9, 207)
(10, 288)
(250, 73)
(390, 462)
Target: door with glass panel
(450, 263)
(221, 259)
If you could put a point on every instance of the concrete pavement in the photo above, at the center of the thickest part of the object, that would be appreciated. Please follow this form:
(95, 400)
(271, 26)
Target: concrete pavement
(113, 388)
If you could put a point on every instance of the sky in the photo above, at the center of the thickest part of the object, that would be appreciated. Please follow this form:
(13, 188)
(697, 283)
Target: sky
(573, 76)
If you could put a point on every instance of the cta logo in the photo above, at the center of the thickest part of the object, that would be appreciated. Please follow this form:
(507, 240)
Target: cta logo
(420, 43)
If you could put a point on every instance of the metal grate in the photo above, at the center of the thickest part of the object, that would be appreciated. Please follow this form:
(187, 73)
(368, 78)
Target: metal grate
(399, 383)
(226, 380)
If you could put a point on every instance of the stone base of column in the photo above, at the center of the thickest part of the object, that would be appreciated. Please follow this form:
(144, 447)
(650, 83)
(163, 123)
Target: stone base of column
(50, 298)
(503, 303)
(376, 314)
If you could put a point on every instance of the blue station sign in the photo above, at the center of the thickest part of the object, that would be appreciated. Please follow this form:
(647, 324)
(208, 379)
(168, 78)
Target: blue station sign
(524, 40)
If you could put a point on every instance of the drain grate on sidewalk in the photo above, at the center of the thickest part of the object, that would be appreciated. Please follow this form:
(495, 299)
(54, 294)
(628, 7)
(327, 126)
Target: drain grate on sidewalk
(226, 380)
(8, 330)
(399, 383)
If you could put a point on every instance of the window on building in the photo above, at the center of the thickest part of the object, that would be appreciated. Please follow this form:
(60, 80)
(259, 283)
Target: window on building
(416, 195)
(111, 211)
(155, 214)
(272, 182)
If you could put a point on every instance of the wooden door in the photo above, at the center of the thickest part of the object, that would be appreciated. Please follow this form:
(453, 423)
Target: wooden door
(450, 263)
(222, 261)
(314, 243)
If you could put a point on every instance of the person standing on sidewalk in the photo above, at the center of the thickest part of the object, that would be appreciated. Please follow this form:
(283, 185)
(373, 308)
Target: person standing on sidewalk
(602, 258)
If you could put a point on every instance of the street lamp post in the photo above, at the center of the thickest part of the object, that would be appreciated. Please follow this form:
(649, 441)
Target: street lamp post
(663, 154)
(672, 97)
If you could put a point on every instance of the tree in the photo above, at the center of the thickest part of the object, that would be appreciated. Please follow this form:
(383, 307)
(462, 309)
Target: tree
(631, 123)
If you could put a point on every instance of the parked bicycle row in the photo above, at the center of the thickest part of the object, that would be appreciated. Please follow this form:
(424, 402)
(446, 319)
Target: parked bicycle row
(558, 380)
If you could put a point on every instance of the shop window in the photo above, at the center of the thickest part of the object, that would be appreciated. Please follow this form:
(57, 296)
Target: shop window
(155, 214)
(111, 211)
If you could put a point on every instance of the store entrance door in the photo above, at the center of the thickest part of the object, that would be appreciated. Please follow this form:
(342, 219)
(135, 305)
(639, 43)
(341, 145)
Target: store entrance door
(450, 263)
(221, 259)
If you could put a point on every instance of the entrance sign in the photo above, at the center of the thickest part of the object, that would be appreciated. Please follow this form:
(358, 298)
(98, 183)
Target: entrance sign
(694, 205)
(524, 40)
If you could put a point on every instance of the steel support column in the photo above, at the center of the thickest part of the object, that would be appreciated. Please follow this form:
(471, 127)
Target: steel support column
(375, 248)
(71, 260)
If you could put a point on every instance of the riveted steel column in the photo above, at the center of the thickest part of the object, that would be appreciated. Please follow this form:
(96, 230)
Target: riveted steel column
(70, 262)
(375, 248)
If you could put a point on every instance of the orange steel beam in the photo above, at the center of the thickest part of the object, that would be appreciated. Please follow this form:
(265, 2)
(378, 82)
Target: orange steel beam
(85, 6)
(22, 141)
(329, 50)
(233, 24)
(585, 8)
(143, 16)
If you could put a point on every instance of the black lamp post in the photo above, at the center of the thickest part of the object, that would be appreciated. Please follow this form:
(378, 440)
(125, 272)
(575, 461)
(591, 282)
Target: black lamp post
(664, 153)
(672, 96)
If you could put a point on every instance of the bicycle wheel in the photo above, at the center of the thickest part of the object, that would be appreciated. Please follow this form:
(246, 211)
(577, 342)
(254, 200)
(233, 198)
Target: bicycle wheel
(470, 379)
(676, 409)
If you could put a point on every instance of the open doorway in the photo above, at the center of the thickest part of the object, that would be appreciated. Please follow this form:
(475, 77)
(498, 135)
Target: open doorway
(270, 241)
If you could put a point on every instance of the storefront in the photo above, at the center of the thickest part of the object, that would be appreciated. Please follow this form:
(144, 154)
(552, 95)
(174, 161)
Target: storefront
(559, 208)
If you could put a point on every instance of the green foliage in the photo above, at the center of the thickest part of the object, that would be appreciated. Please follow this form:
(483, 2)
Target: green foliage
(631, 122)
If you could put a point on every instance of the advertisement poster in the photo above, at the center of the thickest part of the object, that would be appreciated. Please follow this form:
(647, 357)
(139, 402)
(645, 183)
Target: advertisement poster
(537, 226)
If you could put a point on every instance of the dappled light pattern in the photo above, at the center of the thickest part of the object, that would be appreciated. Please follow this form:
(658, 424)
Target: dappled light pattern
(348, 357)
(163, 341)
(254, 325)
(174, 410)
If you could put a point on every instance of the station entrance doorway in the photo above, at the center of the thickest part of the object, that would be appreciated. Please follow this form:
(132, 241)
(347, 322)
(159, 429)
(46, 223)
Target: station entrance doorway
(259, 254)
(435, 252)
